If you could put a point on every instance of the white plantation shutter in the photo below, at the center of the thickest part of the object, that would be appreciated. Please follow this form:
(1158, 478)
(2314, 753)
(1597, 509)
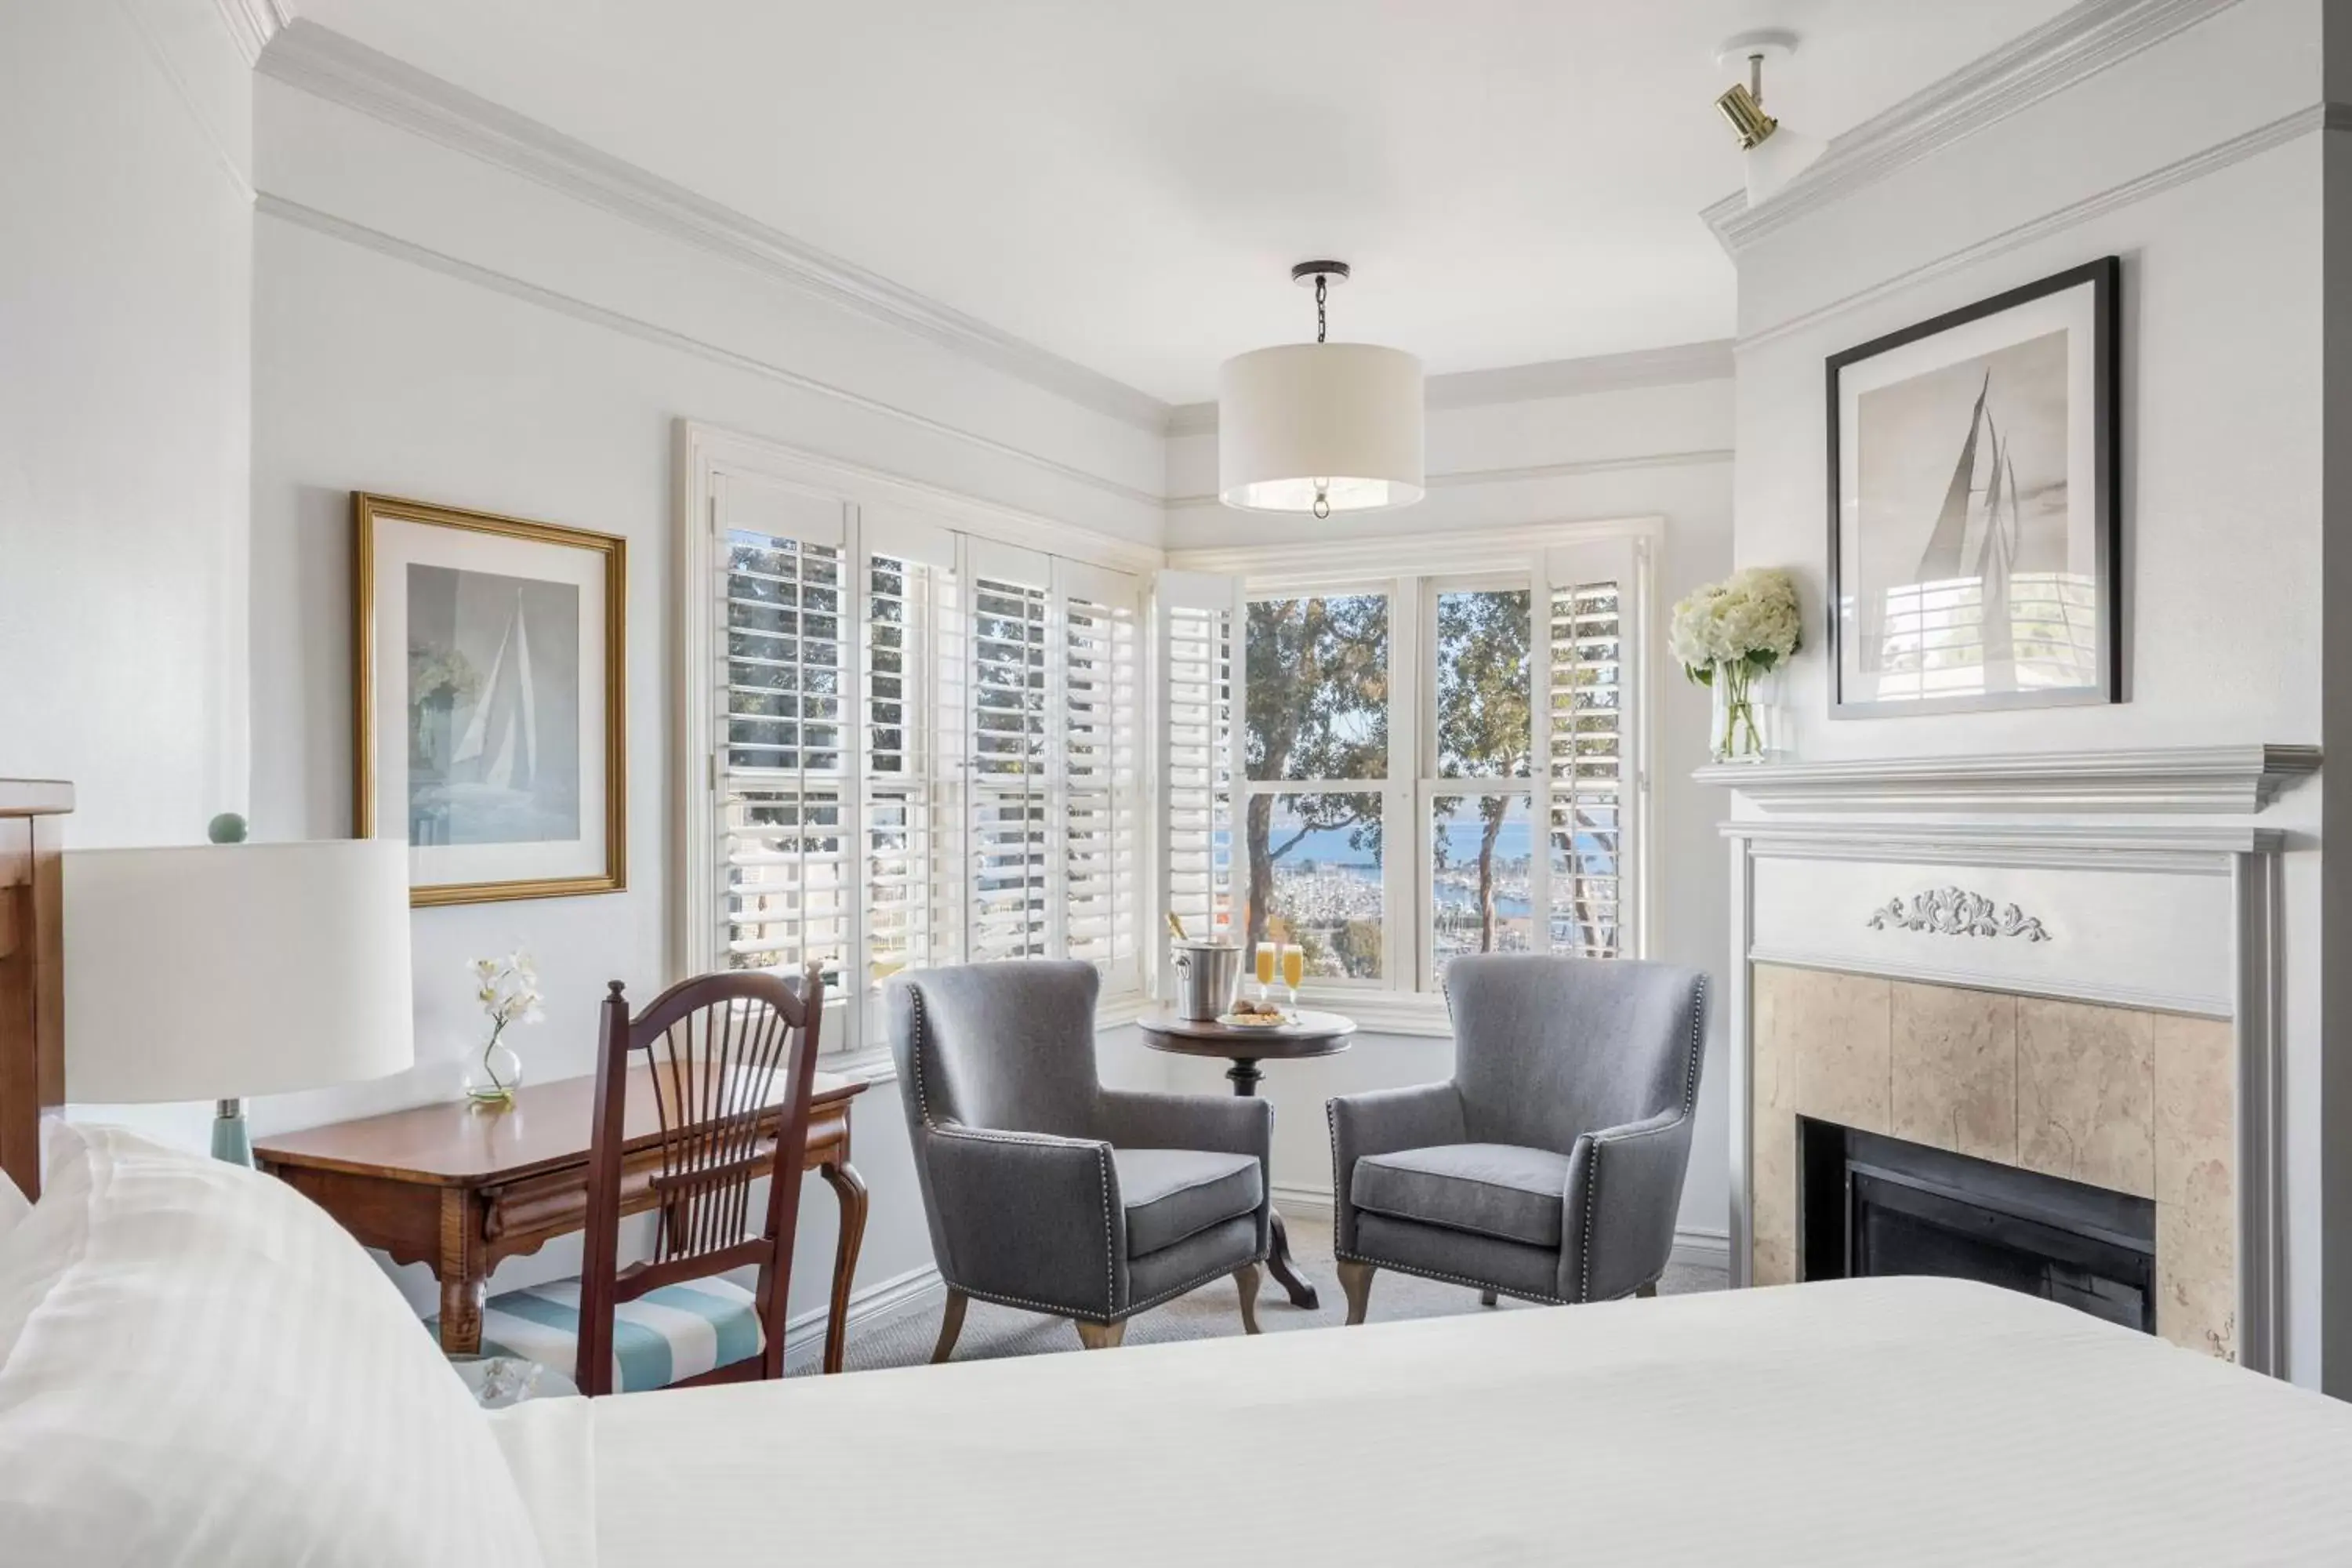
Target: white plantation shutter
(1098, 819)
(1009, 750)
(907, 745)
(1595, 796)
(781, 771)
(1196, 619)
(908, 801)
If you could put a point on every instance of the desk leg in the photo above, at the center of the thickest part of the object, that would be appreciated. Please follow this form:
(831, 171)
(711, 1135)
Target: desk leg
(850, 1189)
(463, 1274)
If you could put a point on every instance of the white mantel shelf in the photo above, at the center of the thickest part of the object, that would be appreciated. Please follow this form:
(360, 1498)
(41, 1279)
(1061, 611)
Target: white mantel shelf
(2218, 780)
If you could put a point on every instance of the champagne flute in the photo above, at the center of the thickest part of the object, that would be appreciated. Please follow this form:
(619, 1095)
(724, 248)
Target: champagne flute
(1266, 961)
(1294, 970)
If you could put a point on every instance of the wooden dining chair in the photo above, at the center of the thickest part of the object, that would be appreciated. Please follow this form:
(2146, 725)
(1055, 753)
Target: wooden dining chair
(722, 1055)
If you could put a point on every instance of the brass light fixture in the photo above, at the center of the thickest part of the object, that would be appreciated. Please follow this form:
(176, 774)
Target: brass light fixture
(1775, 156)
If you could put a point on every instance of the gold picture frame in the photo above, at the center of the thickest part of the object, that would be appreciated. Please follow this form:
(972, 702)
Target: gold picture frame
(481, 838)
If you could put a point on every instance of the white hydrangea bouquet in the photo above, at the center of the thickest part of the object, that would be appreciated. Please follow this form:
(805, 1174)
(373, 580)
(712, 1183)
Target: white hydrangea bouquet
(1727, 635)
(507, 990)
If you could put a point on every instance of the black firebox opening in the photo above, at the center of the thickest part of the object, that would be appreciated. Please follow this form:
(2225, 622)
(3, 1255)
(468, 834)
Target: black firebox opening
(1874, 1205)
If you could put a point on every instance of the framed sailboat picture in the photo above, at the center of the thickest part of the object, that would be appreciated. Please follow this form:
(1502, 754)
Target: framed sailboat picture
(1974, 542)
(488, 660)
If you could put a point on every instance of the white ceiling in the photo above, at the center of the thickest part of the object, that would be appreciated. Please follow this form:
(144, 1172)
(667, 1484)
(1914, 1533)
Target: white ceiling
(1126, 184)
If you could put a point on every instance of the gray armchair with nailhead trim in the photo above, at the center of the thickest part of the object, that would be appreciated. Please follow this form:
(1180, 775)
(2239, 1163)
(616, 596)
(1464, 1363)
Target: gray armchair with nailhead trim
(1549, 1167)
(1045, 1190)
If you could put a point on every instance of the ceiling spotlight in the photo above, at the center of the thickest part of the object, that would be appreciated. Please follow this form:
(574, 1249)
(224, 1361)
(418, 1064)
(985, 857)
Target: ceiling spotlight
(1775, 155)
(1319, 427)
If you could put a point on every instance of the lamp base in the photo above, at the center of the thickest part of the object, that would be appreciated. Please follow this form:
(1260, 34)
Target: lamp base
(231, 1143)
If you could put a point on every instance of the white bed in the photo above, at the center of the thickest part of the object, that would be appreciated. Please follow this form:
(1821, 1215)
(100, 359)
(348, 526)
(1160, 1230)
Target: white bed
(1865, 1422)
(198, 1368)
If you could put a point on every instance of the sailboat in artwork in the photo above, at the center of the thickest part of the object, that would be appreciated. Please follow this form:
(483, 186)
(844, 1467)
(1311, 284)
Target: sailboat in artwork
(1980, 510)
(504, 722)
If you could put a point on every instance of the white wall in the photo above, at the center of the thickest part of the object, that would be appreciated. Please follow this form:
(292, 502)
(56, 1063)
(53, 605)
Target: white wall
(125, 284)
(434, 327)
(2222, 402)
(1641, 451)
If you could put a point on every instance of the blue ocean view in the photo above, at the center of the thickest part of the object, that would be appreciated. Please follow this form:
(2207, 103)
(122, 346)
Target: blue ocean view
(1326, 850)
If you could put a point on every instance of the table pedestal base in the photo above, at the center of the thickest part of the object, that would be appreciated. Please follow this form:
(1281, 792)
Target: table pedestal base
(1245, 1077)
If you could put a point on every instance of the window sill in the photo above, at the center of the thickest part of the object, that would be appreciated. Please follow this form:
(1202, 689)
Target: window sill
(1407, 1013)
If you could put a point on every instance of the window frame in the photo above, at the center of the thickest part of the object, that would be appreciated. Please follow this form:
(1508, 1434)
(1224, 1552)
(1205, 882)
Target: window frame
(1409, 998)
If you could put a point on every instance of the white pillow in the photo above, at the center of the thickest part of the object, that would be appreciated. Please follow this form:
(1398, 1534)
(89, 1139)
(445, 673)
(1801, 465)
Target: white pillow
(198, 1367)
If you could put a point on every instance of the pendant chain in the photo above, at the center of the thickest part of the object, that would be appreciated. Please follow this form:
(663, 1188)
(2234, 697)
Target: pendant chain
(1319, 307)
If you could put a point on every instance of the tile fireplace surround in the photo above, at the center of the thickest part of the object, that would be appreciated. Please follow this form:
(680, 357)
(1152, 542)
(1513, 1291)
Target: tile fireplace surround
(2062, 964)
(2131, 1101)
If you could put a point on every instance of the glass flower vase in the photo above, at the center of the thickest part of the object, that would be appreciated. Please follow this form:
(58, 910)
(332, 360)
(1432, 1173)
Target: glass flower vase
(1746, 724)
(493, 1073)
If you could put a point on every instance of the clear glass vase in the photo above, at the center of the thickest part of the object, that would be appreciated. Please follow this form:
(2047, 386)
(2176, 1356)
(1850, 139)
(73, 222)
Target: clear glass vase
(493, 1073)
(1746, 725)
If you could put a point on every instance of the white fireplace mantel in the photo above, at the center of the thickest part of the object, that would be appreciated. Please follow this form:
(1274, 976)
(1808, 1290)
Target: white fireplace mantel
(2085, 876)
(2214, 780)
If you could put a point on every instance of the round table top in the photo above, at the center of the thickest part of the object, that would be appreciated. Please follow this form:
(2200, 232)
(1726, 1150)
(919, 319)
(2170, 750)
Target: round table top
(1308, 1034)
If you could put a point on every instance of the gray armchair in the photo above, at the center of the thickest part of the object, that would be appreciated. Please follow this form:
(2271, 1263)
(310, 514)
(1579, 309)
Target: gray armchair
(1043, 1189)
(1550, 1167)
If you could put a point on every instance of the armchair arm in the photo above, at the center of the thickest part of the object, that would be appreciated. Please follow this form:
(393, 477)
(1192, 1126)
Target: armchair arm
(1219, 1123)
(1383, 1123)
(1223, 1123)
(1624, 1189)
(1029, 1218)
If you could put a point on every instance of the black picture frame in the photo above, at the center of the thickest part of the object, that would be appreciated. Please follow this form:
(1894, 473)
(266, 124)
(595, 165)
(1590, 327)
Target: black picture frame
(2104, 279)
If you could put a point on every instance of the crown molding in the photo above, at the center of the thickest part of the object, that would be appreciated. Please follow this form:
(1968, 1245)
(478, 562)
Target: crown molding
(2073, 47)
(343, 70)
(1671, 366)
(2139, 187)
(2221, 780)
(252, 24)
(295, 213)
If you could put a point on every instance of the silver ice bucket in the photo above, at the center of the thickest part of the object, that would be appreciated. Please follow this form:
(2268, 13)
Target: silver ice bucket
(1207, 975)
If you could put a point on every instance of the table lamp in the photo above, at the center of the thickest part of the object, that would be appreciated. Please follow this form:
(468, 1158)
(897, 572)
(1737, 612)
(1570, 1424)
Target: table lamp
(219, 971)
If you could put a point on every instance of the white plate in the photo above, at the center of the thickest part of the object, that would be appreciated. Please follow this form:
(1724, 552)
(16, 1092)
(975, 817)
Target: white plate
(1256, 1021)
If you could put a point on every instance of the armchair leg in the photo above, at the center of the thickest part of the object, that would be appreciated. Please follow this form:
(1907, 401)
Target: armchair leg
(951, 1325)
(1101, 1336)
(1245, 1279)
(1356, 1279)
(1487, 1298)
(1649, 1290)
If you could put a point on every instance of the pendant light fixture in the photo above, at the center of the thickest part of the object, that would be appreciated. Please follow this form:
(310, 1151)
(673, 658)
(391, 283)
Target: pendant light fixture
(1775, 154)
(1319, 427)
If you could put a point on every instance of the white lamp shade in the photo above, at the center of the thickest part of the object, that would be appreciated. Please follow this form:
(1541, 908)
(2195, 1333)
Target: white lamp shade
(1344, 417)
(218, 972)
(1778, 159)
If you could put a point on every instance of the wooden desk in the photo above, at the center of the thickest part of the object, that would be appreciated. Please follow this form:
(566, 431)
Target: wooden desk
(463, 1189)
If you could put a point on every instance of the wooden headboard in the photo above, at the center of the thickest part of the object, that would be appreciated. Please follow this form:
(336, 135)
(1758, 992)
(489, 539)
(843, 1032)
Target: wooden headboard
(32, 971)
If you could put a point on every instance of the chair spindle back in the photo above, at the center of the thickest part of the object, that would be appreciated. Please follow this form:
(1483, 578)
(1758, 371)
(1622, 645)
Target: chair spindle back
(720, 1056)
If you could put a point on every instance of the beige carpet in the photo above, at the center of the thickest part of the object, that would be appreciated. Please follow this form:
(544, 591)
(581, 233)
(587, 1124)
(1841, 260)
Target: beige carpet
(905, 1338)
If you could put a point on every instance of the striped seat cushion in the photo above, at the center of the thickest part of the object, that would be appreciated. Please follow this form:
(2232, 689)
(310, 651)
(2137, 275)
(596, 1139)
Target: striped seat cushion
(664, 1336)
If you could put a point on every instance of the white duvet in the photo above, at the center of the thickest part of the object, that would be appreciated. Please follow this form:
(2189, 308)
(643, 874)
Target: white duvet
(1891, 1421)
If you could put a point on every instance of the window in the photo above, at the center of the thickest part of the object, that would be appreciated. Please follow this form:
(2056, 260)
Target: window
(1317, 704)
(1435, 765)
(921, 748)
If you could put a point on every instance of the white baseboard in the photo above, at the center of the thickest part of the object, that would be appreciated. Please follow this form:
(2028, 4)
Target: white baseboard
(1696, 1247)
(804, 1334)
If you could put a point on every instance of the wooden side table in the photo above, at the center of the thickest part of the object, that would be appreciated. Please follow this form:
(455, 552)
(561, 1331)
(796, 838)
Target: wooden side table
(1308, 1034)
(462, 1189)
